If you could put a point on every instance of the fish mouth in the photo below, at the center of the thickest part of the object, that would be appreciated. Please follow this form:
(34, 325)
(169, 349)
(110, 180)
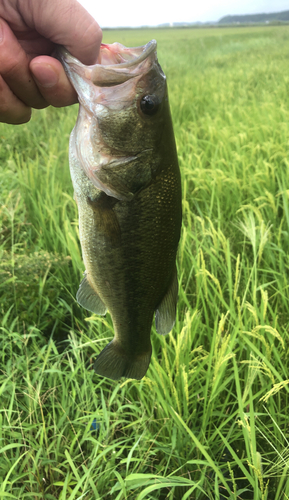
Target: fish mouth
(115, 64)
(117, 55)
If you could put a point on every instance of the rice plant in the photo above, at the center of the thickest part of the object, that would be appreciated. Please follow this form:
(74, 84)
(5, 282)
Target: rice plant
(210, 418)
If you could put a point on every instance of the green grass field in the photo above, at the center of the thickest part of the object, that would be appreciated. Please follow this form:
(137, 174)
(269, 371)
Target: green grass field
(210, 419)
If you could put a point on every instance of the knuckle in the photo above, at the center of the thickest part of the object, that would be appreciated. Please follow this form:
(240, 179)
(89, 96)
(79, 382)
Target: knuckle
(11, 65)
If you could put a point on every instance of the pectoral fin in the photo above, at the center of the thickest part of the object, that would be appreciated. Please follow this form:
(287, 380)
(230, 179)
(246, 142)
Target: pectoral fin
(88, 298)
(165, 316)
(106, 219)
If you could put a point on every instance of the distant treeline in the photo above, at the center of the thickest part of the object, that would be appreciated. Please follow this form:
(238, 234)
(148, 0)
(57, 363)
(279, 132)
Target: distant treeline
(256, 18)
(247, 19)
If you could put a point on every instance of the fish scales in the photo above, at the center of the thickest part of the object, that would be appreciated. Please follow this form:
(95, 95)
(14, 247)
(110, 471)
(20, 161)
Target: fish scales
(126, 179)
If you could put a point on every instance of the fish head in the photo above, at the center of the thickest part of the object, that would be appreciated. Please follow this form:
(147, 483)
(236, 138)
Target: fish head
(123, 94)
(123, 109)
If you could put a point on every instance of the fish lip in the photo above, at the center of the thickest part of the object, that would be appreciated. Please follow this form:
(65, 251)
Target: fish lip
(146, 51)
(127, 63)
(67, 59)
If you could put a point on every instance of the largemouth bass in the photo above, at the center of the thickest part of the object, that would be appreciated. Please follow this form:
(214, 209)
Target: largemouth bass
(127, 186)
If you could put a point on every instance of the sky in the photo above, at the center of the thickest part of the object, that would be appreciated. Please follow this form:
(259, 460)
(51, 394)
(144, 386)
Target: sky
(113, 13)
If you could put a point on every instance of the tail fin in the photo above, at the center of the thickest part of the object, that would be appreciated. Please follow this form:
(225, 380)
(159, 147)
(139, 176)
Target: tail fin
(113, 363)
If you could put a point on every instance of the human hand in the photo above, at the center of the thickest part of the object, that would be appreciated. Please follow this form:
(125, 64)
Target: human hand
(29, 32)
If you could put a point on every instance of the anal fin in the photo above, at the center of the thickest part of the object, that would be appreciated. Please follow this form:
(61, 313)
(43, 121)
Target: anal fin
(88, 298)
(165, 316)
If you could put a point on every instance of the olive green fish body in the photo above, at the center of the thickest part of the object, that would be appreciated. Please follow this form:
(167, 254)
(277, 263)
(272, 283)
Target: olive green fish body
(130, 215)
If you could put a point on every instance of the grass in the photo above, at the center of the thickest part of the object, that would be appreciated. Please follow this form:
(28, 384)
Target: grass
(210, 419)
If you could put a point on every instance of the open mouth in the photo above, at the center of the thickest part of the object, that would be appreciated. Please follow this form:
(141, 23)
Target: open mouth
(117, 55)
(116, 64)
(112, 56)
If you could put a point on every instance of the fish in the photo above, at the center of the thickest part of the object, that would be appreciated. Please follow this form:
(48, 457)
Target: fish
(127, 185)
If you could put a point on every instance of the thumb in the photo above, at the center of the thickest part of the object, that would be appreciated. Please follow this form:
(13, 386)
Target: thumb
(66, 23)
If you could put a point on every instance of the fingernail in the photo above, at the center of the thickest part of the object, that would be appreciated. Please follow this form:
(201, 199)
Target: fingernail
(44, 75)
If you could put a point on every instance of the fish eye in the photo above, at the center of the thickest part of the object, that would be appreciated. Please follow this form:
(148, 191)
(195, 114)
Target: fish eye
(149, 104)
